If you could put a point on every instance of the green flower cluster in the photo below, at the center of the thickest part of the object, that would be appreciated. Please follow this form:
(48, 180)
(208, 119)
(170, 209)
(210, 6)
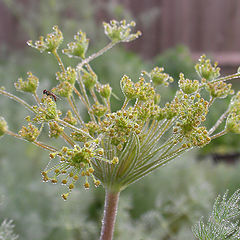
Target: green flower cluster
(78, 47)
(47, 111)
(50, 44)
(120, 31)
(205, 69)
(74, 163)
(118, 148)
(30, 85)
(29, 133)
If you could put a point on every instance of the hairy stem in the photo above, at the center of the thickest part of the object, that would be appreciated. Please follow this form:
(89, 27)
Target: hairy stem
(219, 134)
(73, 106)
(110, 213)
(219, 121)
(65, 124)
(17, 99)
(60, 63)
(99, 53)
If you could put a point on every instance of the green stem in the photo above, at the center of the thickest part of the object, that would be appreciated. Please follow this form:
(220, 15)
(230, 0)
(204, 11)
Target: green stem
(63, 123)
(110, 213)
(73, 106)
(95, 55)
(39, 144)
(219, 121)
(37, 98)
(219, 134)
(83, 90)
(17, 99)
(229, 77)
(60, 63)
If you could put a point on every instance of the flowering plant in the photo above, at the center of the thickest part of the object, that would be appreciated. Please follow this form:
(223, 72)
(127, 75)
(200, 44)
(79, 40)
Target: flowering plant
(118, 148)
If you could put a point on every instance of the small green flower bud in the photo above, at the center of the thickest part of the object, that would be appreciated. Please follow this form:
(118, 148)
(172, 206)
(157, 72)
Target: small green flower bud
(233, 123)
(77, 136)
(105, 91)
(99, 110)
(92, 128)
(47, 111)
(69, 75)
(86, 185)
(219, 89)
(78, 47)
(115, 160)
(30, 85)
(3, 126)
(50, 44)
(158, 77)
(89, 79)
(206, 70)
(64, 89)
(69, 118)
(30, 133)
(188, 86)
(128, 88)
(55, 130)
(120, 31)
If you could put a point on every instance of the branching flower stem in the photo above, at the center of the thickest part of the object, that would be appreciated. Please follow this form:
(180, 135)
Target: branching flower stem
(73, 106)
(37, 98)
(17, 99)
(86, 100)
(68, 139)
(60, 63)
(219, 121)
(39, 144)
(63, 123)
(229, 77)
(223, 132)
(95, 55)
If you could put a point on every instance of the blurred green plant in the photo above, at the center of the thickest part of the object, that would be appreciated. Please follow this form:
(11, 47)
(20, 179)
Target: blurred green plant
(6, 231)
(118, 148)
(223, 221)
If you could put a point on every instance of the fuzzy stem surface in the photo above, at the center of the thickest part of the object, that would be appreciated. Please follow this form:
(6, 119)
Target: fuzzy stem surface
(110, 212)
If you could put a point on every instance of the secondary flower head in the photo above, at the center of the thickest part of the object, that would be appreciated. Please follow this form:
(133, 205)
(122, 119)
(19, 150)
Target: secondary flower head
(78, 47)
(30, 85)
(50, 44)
(120, 31)
(206, 70)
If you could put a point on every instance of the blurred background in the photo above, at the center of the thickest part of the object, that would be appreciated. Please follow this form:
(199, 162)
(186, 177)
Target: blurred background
(175, 33)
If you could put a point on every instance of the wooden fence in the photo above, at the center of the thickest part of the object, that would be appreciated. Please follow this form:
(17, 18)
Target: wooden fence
(210, 26)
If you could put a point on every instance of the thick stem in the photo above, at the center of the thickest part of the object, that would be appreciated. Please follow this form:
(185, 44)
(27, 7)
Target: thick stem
(110, 212)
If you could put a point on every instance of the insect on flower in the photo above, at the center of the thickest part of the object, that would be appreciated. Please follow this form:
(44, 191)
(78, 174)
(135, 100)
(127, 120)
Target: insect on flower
(48, 93)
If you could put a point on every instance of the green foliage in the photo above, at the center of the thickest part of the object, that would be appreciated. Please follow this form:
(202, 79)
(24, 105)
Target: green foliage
(223, 221)
(6, 231)
(175, 61)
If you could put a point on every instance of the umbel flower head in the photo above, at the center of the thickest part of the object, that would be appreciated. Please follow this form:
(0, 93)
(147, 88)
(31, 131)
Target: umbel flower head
(118, 148)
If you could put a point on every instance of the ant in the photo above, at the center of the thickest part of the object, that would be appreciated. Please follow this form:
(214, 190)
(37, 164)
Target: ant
(48, 93)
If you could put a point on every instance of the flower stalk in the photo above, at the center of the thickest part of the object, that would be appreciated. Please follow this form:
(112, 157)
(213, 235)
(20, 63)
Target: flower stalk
(110, 213)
